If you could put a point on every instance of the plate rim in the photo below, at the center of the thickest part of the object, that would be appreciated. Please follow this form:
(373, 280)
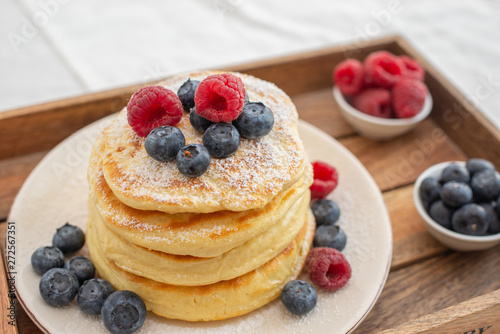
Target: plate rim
(301, 123)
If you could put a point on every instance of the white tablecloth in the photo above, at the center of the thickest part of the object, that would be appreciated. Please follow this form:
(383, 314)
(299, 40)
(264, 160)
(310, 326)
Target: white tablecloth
(53, 49)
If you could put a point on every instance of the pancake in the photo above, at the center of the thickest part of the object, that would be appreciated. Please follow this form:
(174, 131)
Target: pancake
(216, 301)
(210, 247)
(200, 235)
(258, 171)
(189, 270)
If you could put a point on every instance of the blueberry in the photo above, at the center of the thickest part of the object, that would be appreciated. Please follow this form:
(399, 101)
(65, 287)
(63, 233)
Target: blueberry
(163, 143)
(470, 219)
(493, 218)
(92, 295)
(326, 212)
(45, 258)
(58, 286)
(454, 172)
(82, 267)
(455, 194)
(255, 121)
(247, 98)
(193, 160)
(186, 93)
(330, 236)
(441, 214)
(485, 184)
(198, 122)
(429, 191)
(299, 297)
(476, 164)
(123, 312)
(221, 140)
(68, 238)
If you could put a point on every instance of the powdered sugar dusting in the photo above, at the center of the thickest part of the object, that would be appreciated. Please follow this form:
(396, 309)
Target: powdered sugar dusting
(258, 171)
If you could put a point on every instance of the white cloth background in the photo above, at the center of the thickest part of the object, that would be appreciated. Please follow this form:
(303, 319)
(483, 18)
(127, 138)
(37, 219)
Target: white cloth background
(53, 49)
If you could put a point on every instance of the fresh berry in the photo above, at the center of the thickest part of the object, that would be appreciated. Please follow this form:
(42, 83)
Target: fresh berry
(408, 97)
(374, 102)
(330, 236)
(325, 181)
(474, 165)
(163, 143)
(328, 268)
(92, 295)
(193, 160)
(349, 76)
(383, 69)
(485, 185)
(186, 93)
(412, 68)
(220, 97)
(247, 98)
(82, 267)
(470, 219)
(326, 212)
(299, 297)
(68, 238)
(58, 287)
(455, 194)
(221, 140)
(255, 121)
(454, 172)
(151, 107)
(198, 122)
(123, 312)
(429, 191)
(45, 258)
(493, 218)
(441, 213)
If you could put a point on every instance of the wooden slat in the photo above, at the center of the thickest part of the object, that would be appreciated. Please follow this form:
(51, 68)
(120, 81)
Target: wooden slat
(411, 241)
(431, 286)
(37, 128)
(13, 172)
(319, 109)
(475, 316)
(396, 163)
(311, 71)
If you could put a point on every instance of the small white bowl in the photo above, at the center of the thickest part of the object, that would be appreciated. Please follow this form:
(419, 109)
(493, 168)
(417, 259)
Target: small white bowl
(378, 128)
(456, 241)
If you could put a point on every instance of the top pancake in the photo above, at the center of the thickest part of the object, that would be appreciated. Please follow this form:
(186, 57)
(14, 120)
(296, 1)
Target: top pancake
(258, 171)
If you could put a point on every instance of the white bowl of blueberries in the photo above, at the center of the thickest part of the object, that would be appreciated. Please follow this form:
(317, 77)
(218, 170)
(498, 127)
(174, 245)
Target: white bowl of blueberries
(460, 203)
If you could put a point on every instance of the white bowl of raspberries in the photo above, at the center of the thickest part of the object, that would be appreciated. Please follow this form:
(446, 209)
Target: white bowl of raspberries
(459, 202)
(382, 97)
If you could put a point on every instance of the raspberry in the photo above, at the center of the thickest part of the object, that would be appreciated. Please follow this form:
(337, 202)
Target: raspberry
(383, 69)
(408, 97)
(412, 68)
(220, 97)
(151, 107)
(373, 101)
(328, 268)
(349, 76)
(325, 181)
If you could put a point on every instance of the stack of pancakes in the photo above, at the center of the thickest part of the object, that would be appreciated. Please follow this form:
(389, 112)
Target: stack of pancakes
(210, 247)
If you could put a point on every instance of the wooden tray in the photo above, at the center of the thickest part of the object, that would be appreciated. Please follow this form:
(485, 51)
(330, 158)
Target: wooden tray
(445, 291)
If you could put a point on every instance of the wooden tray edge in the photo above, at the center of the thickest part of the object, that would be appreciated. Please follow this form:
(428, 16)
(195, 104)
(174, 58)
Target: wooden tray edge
(477, 315)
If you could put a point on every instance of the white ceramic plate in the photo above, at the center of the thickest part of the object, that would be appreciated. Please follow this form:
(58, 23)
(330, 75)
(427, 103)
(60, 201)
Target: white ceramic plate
(56, 192)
